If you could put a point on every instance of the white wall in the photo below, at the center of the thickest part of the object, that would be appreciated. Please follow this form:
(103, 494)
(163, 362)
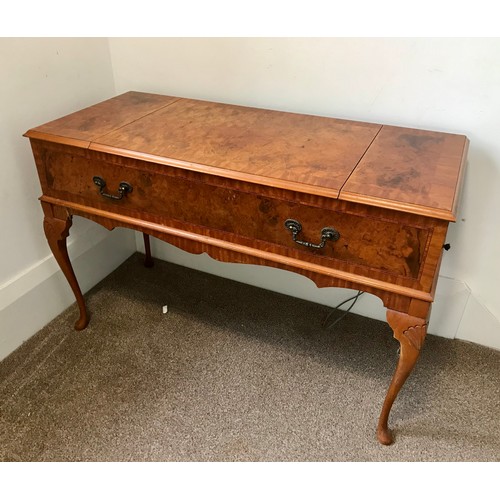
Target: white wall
(40, 80)
(442, 84)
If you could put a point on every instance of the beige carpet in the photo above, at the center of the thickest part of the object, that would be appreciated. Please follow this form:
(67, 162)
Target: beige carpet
(235, 373)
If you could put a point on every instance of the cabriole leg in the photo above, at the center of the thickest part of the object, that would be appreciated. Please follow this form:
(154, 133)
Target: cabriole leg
(410, 332)
(56, 231)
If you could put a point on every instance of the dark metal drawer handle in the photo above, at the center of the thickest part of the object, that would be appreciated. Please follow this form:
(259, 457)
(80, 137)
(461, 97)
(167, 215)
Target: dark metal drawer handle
(123, 189)
(327, 233)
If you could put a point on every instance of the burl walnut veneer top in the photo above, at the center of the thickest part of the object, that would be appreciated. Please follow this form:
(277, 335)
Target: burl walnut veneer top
(410, 170)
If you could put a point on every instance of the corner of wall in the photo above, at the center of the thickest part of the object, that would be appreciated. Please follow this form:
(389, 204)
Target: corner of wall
(479, 325)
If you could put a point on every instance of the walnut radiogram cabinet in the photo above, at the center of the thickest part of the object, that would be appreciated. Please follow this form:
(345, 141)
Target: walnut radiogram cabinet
(345, 203)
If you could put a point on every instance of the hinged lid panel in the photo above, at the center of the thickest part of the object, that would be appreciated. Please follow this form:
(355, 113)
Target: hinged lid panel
(310, 152)
(416, 171)
(84, 126)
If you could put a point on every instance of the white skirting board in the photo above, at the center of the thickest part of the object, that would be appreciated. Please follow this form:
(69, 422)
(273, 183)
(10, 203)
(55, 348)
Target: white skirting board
(456, 312)
(32, 299)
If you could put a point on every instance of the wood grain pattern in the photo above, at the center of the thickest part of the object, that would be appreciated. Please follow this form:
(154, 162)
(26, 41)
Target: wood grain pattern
(412, 170)
(87, 125)
(57, 231)
(303, 149)
(410, 332)
(388, 246)
(250, 215)
(222, 179)
(398, 168)
(205, 241)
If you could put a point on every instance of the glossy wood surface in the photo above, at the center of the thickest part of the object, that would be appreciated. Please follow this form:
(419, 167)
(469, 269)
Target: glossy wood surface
(410, 331)
(399, 251)
(57, 231)
(303, 149)
(402, 169)
(415, 169)
(87, 125)
(390, 246)
(221, 179)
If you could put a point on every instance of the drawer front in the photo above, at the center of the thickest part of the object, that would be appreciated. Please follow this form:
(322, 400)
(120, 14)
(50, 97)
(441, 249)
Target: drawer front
(385, 245)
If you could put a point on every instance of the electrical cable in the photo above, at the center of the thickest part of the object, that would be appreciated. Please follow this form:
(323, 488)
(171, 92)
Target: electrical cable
(354, 298)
